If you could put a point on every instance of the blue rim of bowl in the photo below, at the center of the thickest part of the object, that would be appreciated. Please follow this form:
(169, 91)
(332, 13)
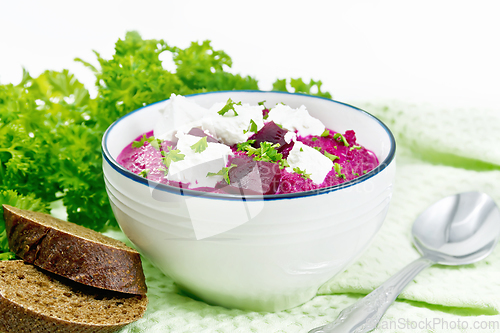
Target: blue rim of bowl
(210, 195)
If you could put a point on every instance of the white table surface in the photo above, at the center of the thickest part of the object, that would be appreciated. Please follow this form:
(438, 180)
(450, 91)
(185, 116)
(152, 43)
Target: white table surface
(441, 52)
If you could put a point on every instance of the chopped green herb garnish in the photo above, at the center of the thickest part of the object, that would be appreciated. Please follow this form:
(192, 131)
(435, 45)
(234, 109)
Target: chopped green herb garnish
(200, 146)
(140, 143)
(336, 136)
(172, 156)
(301, 149)
(165, 171)
(302, 173)
(364, 171)
(267, 152)
(229, 107)
(355, 173)
(262, 103)
(144, 173)
(331, 156)
(243, 146)
(338, 170)
(283, 164)
(252, 127)
(314, 139)
(318, 149)
(355, 147)
(325, 133)
(224, 172)
(154, 142)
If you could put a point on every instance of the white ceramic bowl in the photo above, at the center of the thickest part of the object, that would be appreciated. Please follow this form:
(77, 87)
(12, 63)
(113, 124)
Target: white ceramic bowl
(259, 253)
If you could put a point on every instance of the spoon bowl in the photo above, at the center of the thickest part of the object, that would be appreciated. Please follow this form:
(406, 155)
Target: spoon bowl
(457, 230)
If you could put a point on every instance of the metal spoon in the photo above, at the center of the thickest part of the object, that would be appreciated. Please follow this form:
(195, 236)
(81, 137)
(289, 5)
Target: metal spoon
(457, 230)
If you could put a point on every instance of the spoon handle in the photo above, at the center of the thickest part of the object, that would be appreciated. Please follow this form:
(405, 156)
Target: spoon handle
(364, 315)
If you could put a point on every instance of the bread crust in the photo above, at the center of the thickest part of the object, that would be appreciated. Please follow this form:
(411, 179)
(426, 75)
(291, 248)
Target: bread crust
(22, 316)
(16, 318)
(39, 239)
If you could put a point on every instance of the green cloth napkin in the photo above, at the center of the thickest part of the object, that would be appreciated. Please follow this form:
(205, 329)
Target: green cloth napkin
(440, 152)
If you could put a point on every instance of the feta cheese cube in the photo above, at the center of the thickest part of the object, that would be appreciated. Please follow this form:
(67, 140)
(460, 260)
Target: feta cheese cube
(195, 166)
(310, 161)
(179, 114)
(296, 120)
(231, 128)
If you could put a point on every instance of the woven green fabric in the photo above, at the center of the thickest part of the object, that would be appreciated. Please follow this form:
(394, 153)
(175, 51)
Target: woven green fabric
(440, 152)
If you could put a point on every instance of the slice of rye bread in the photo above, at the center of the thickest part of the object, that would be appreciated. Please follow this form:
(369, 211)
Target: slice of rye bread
(75, 252)
(32, 300)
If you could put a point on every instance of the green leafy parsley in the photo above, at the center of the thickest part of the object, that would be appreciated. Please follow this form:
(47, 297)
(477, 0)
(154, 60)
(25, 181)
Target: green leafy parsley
(283, 164)
(355, 147)
(299, 86)
(244, 146)
(229, 107)
(172, 156)
(338, 170)
(156, 143)
(144, 173)
(201, 145)
(165, 171)
(267, 152)
(339, 137)
(7, 256)
(224, 172)
(252, 127)
(140, 143)
(302, 173)
(331, 156)
(325, 133)
(314, 139)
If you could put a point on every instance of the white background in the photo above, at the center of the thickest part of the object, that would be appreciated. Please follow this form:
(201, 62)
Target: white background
(441, 52)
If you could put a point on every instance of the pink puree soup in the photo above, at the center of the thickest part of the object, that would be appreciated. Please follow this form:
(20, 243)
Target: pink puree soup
(349, 161)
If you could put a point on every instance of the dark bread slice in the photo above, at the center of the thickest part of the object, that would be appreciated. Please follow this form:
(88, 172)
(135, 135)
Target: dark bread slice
(75, 252)
(32, 300)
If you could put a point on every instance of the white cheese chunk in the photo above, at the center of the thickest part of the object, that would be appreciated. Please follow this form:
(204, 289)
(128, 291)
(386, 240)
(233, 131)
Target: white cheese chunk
(310, 161)
(230, 128)
(290, 136)
(195, 166)
(179, 114)
(296, 120)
